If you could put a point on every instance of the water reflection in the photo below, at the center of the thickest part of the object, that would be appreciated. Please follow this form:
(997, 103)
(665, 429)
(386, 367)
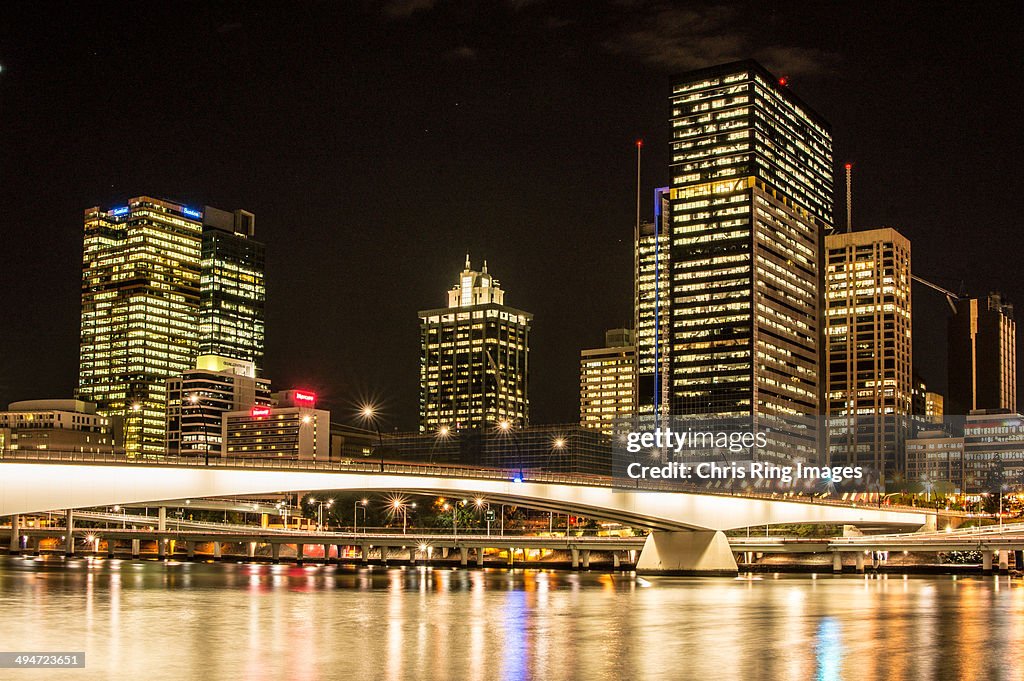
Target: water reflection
(181, 621)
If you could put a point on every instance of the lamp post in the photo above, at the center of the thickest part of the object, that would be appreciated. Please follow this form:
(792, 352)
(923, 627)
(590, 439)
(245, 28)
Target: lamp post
(320, 511)
(486, 506)
(369, 413)
(355, 514)
(506, 428)
(399, 505)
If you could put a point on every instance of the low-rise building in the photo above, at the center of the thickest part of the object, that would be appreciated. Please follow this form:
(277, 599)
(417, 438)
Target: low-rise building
(57, 425)
(293, 428)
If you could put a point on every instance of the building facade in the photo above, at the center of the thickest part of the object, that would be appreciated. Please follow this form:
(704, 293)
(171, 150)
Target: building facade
(292, 429)
(935, 460)
(142, 292)
(57, 425)
(870, 389)
(607, 378)
(750, 197)
(474, 358)
(198, 399)
(232, 287)
(982, 356)
(652, 306)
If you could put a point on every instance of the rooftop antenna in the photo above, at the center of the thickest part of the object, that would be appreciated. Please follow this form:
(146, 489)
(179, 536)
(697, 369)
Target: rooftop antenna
(849, 197)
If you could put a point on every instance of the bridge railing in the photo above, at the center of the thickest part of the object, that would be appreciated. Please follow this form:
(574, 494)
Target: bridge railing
(346, 465)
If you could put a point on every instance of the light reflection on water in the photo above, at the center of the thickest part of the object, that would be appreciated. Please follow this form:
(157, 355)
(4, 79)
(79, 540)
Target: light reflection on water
(139, 620)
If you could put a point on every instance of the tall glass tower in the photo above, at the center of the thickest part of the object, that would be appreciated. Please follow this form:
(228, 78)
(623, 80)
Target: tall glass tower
(750, 200)
(233, 290)
(143, 285)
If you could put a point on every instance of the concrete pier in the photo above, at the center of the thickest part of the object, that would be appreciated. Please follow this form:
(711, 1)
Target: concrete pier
(15, 545)
(837, 562)
(698, 552)
(69, 536)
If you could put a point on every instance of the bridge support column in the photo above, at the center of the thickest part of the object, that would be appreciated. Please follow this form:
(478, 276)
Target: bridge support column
(859, 561)
(161, 548)
(480, 557)
(931, 524)
(585, 555)
(300, 551)
(686, 552)
(837, 562)
(1004, 560)
(511, 557)
(250, 548)
(275, 552)
(136, 548)
(161, 518)
(190, 550)
(384, 554)
(15, 546)
(217, 550)
(875, 560)
(340, 551)
(444, 552)
(327, 553)
(463, 556)
(986, 561)
(69, 533)
(1018, 560)
(574, 555)
(364, 552)
(111, 544)
(616, 562)
(412, 555)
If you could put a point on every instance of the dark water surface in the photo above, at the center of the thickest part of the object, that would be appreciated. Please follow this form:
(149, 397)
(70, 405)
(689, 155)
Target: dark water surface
(151, 620)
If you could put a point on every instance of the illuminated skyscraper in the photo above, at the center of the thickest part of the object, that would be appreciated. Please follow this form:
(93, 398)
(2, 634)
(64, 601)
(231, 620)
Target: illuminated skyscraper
(233, 292)
(751, 197)
(142, 274)
(982, 356)
(607, 377)
(474, 358)
(870, 381)
(653, 309)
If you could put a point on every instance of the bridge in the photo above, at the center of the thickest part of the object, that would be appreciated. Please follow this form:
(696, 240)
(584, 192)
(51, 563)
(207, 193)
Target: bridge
(687, 526)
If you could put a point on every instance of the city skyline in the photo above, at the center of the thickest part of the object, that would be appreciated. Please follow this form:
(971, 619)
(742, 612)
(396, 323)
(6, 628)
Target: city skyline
(328, 242)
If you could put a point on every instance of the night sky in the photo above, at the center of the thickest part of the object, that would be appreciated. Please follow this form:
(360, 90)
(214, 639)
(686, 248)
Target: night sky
(377, 143)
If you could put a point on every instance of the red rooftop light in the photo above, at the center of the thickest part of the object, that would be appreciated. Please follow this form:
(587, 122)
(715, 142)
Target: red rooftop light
(784, 81)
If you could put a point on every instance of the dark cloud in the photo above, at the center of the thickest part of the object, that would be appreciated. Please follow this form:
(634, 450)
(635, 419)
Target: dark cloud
(400, 9)
(682, 39)
(461, 53)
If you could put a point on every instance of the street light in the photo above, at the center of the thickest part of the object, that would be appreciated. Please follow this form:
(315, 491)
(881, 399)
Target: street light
(369, 413)
(400, 505)
(320, 511)
(486, 506)
(355, 514)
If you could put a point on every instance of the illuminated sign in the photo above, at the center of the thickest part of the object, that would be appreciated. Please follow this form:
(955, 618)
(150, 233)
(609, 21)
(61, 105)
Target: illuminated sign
(259, 411)
(192, 213)
(305, 397)
(123, 210)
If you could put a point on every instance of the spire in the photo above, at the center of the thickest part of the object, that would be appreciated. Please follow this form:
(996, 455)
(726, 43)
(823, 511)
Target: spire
(467, 261)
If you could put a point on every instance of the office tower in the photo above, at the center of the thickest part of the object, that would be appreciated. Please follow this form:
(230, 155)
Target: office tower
(652, 305)
(197, 400)
(233, 292)
(474, 358)
(982, 356)
(142, 274)
(606, 382)
(871, 390)
(751, 197)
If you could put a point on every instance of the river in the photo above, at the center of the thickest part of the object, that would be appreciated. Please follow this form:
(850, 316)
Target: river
(152, 620)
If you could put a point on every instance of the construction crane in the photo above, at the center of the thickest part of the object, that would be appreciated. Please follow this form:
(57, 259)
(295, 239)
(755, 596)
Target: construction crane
(951, 298)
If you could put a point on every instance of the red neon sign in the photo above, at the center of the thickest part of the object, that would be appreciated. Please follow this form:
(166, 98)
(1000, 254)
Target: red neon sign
(305, 397)
(259, 411)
